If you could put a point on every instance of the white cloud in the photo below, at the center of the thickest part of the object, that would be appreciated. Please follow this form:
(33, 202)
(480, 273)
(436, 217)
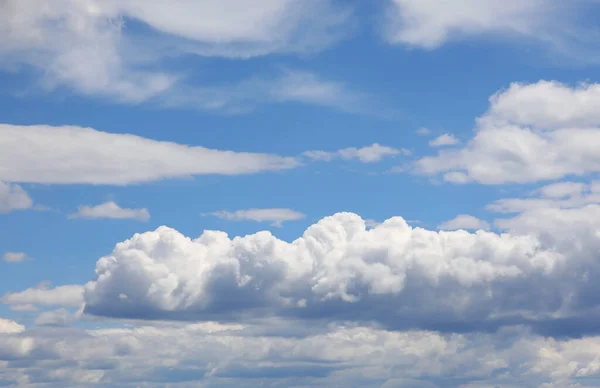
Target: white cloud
(110, 210)
(447, 139)
(429, 24)
(423, 131)
(8, 326)
(276, 215)
(13, 197)
(59, 317)
(340, 269)
(560, 195)
(68, 296)
(464, 221)
(15, 257)
(369, 154)
(90, 47)
(538, 132)
(287, 86)
(72, 155)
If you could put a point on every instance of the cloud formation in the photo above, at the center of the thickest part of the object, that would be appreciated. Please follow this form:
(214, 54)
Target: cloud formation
(447, 139)
(88, 156)
(110, 210)
(342, 270)
(464, 221)
(15, 257)
(276, 215)
(67, 296)
(368, 154)
(427, 24)
(13, 197)
(92, 47)
(531, 132)
(211, 354)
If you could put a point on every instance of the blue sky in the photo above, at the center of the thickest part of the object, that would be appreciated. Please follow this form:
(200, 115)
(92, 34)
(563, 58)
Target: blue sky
(474, 122)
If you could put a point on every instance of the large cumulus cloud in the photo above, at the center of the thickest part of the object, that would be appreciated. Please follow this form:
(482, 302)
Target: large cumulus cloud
(393, 274)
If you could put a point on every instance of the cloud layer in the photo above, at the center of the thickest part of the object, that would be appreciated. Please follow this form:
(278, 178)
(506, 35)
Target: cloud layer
(92, 46)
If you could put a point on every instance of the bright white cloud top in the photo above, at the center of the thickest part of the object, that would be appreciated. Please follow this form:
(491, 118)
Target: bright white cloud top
(537, 132)
(341, 270)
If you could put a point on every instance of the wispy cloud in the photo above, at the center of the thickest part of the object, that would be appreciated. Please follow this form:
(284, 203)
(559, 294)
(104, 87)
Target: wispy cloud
(15, 257)
(447, 139)
(368, 154)
(275, 215)
(13, 197)
(87, 46)
(110, 210)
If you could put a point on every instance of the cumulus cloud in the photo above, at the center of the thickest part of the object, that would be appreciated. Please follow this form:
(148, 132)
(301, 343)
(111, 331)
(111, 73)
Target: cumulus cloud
(90, 46)
(15, 257)
(464, 221)
(276, 215)
(110, 210)
(447, 139)
(85, 155)
(428, 24)
(13, 197)
(340, 269)
(369, 154)
(531, 132)
(560, 195)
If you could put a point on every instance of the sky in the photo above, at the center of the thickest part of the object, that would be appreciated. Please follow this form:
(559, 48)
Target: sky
(300, 193)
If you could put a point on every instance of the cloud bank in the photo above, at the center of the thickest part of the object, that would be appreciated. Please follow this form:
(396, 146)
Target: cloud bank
(341, 270)
(531, 132)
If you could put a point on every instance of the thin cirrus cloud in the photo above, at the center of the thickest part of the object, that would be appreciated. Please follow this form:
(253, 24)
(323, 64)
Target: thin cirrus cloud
(284, 87)
(91, 48)
(368, 154)
(531, 132)
(429, 24)
(275, 215)
(110, 210)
